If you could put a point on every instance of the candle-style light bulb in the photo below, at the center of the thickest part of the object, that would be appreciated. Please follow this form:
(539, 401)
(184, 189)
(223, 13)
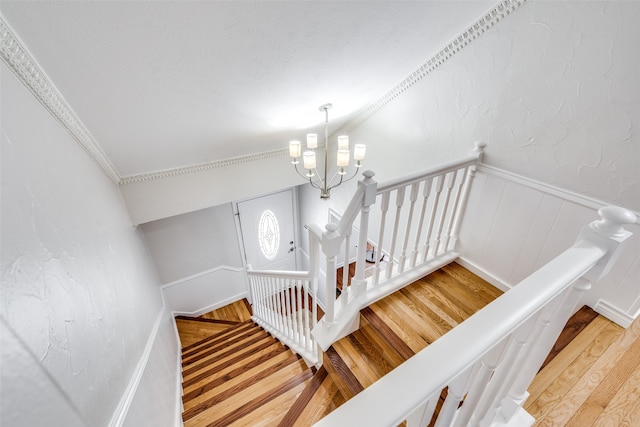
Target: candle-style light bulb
(359, 151)
(294, 149)
(312, 140)
(343, 142)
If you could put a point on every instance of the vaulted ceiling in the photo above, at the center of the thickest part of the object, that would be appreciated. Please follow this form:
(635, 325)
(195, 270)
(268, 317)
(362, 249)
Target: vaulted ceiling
(166, 84)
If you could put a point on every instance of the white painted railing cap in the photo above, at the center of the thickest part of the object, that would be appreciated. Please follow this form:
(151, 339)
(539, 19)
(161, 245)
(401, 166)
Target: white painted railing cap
(612, 220)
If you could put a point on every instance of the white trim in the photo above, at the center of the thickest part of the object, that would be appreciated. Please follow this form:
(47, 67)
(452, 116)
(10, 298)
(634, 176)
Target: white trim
(16, 56)
(120, 414)
(179, 379)
(131, 179)
(212, 307)
(570, 196)
(613, 313)
(483, 274)
(202, 273)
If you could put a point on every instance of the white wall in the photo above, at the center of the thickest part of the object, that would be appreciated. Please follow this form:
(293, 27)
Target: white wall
(513, 226)
(80, 294)
(554, 91)
(198, 257)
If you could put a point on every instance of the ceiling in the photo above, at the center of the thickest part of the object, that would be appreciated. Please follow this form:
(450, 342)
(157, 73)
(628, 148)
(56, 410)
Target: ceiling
(166, 84)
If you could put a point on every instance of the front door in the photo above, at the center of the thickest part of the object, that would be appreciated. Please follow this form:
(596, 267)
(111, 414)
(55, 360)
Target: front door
(268, 231)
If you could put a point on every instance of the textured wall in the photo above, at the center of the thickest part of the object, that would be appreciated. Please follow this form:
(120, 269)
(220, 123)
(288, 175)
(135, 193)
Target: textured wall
(554, 91)
(79, 290)
(184, 245)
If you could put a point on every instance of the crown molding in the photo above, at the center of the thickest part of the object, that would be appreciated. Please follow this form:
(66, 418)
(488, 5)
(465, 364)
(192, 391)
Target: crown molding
(475, 30)
(200, 167)
(24, 66)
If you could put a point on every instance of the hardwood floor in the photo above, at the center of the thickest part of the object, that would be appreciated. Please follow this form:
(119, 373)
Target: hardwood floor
(591, 377)
(593, 381)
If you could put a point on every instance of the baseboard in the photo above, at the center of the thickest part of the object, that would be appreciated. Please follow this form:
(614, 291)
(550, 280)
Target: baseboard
(202, 273)
(613, 313)
(120, 414)
(211, 307)
(179, 379)
(480, 272)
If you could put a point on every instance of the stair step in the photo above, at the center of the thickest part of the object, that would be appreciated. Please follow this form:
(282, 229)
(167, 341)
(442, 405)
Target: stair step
(239, 375)
(384, 331)
(235, 406)
(218, 346)
(194, 330)
(219, 337)
(305, 397)
(231, 357)
(325, 400)
(341, 374)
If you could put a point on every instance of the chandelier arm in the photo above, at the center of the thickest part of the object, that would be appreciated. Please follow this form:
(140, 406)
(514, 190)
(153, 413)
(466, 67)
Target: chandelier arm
(342, 180)
(305, 176)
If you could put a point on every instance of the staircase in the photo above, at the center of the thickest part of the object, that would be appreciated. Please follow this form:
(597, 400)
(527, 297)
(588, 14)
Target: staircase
(242, 376)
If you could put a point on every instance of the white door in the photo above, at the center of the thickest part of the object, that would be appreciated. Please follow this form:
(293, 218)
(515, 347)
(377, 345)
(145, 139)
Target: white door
(268, 231)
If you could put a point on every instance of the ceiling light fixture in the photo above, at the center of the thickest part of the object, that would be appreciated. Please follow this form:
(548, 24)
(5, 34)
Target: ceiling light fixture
(309, 158)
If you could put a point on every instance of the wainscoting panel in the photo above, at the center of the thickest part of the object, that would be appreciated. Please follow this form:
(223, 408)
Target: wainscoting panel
(206, 291)
(513, 226)
(158, 374)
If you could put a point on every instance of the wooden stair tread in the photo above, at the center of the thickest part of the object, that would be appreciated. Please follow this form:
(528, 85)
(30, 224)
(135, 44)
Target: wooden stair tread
(226, 343)
(232, 358)
(219, 337)
(239, 375)
(193, 331)
(398, 345)
(273, 410)
(326, 399)
(224, 412)
(305, 397)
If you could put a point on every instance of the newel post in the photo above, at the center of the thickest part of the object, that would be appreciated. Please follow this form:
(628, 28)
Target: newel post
(369, 198)
(608, 234)
(331, 247)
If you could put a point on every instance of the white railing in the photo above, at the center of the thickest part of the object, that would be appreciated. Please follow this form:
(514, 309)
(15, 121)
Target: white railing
(284, 303)
(411, 224)
(487, 362)
(415, 237)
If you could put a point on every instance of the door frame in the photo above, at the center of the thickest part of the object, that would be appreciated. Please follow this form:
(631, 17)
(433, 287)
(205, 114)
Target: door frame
(296, 222)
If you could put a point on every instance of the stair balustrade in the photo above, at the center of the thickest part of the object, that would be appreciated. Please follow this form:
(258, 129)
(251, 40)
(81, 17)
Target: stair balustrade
(410, 225)
(487, 362)
(285, 304)
(415, 238)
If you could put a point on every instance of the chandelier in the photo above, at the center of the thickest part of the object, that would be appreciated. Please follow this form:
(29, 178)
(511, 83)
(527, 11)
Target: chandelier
(316, 180)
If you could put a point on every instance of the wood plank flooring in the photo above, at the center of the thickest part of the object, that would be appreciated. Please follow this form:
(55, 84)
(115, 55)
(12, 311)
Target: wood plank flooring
(591, 377)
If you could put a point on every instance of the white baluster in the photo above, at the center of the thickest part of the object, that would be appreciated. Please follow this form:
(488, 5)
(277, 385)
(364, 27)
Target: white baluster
(413, 196)
(434, 208)
(455, 392)
(459, 178)
(490, 400)
(384, 207)
(426, 191)
(551, 326)
(307, 325)
(443, 215)
(346, 289)
(460, 209)
(394, 235)
(422, 415)
(479, 383)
